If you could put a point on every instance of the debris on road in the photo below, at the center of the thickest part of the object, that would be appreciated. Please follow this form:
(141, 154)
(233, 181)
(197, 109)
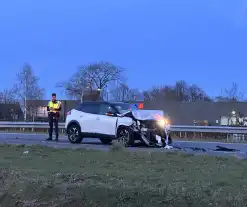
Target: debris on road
(218, 149)
(225, 149)
(190, 148)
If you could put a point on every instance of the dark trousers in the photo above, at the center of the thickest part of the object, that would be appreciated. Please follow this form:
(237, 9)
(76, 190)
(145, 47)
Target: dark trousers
(53, 120)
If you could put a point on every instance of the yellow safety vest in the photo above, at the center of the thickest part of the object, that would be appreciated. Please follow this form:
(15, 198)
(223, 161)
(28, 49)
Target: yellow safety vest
(54, 106)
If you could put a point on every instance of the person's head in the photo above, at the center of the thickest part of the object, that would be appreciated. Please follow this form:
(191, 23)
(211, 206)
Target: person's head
(53, 97)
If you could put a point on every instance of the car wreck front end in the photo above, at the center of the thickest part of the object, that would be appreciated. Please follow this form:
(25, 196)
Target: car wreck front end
(151, 127)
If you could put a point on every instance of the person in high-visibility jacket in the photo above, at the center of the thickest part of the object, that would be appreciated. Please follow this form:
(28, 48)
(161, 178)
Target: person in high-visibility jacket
(53, 108)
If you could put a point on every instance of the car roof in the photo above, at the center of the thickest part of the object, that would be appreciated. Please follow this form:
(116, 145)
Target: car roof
(94, 102)
(118, 102)
(102, 102)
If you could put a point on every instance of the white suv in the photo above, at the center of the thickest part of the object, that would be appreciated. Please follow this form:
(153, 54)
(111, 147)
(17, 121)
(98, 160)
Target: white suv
(101, 120)
(117, 120)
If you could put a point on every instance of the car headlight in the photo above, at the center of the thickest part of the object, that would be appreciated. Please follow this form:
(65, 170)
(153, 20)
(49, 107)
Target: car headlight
(162, 123)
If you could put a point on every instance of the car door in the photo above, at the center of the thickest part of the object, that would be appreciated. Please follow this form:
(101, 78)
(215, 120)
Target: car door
(88, 117)
(106, 124)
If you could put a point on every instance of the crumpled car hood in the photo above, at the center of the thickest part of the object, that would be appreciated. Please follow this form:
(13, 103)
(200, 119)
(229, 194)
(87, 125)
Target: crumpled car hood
(148, 114)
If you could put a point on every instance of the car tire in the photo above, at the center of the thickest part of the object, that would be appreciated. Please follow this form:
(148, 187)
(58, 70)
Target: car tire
(74, 134)
(125, 136)
(106, 141)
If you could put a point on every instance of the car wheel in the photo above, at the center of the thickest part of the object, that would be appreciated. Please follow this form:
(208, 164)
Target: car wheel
(125, 136)
(106, 141)
(74, 134)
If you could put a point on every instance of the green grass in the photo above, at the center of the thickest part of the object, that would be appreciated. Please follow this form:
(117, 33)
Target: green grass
(63, 177)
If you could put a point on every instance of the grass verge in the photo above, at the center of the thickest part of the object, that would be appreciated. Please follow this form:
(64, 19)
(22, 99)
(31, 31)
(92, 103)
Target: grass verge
(42, 176)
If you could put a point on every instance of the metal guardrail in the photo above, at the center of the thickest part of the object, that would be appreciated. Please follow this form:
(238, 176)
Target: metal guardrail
(210, 129)
(28, 125)
(175, 128)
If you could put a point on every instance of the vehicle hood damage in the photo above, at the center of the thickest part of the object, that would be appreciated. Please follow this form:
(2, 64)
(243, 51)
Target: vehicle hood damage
(147, 114)
(151, 127)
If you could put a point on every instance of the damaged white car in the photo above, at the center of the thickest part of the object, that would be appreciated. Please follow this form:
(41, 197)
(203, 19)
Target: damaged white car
(116, 120)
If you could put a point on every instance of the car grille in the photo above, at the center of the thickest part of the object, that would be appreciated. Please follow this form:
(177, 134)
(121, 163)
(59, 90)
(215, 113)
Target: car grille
(150, 124)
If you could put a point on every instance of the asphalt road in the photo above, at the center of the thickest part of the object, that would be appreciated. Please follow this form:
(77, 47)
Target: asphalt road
(33, 139)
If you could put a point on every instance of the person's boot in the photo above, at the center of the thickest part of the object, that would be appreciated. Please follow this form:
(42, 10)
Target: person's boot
(49, 139)
(56, 139)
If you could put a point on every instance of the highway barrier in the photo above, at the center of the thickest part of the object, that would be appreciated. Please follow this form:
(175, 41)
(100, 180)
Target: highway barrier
(174, 128)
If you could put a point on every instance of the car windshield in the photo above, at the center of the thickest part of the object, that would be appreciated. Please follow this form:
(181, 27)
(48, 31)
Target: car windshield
(124, 107)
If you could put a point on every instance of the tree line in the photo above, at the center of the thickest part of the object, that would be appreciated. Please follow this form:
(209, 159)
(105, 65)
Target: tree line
(110, 80)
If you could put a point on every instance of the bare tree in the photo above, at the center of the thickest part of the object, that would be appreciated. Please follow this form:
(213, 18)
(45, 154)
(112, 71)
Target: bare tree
(177, 92)
(195, 93)
(27, 87)
(96, 76)
(124, 93)
(76, 86)
(181, 91)
(99, 75)
(231, 94)
(7, 96)
(156, 92)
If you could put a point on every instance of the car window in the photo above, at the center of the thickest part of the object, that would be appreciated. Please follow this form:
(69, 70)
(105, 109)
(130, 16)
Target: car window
(124, 107)
(105, 108)
(90, 108)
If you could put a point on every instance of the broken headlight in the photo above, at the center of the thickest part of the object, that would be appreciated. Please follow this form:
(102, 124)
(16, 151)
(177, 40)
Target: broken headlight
(162, 123)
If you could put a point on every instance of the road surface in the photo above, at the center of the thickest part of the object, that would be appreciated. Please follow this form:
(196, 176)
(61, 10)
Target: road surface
(33, 139)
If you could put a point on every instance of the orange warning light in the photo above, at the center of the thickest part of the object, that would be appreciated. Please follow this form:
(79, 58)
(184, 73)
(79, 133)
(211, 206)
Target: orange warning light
(140, 105)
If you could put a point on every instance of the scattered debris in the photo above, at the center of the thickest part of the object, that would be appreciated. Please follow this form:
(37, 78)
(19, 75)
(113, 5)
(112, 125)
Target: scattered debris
(218, 149)
(225, 149)
(190, 148)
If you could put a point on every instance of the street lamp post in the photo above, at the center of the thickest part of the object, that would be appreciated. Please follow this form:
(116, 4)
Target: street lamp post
(82, 94)
(25, 98)
(99, 90)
